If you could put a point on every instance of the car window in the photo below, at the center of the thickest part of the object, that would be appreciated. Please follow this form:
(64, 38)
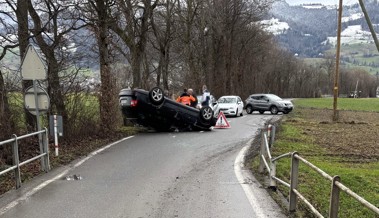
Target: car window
(274, 98)
(227, 100)
(264, 98)
(256, 97)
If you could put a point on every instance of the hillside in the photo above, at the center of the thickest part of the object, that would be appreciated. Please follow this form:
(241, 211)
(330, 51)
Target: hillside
(310, 31)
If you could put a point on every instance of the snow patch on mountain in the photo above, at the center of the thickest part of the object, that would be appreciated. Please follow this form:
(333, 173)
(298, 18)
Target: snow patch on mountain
(313, 6)
(275, 26)
(352, 17)
(352, 35)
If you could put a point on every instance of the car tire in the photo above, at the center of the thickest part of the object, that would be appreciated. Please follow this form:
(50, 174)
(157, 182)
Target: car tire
(236, 113)
(274, 110)
(156, 95)
(285, 112)
(249, 109)
(261, 112)
(206, 113)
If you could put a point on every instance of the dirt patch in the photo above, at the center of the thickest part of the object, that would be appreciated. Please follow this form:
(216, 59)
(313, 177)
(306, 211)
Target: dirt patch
(355, 134)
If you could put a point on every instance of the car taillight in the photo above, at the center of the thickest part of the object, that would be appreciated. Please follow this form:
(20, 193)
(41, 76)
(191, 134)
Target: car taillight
(133, 103)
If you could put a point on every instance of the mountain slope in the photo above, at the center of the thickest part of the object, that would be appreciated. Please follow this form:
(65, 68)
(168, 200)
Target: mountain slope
(312, 28)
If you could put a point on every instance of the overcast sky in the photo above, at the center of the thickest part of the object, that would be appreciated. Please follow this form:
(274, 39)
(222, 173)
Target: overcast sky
(324, 2)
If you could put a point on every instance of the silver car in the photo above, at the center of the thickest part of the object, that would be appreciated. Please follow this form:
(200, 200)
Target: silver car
(267, 102)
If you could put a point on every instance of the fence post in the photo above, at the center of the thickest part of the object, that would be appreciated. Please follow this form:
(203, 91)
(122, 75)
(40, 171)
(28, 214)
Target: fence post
(45, 142)
(16, 162)
(272, 136)
(294, 181)
(262, 152)
(334, 198)
(273, 174)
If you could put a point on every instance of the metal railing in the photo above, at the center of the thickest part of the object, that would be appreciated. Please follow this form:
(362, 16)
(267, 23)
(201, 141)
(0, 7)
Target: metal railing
(294, 194)
(44, 154)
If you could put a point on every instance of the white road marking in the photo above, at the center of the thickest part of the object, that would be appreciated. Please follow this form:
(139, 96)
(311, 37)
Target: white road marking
(238, 165)
(44, 184)
(261, 202)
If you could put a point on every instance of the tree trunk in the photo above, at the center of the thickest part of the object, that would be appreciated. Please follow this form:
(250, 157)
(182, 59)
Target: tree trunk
(6, 125)
(57, 98)
(23, 34)
(107, 103)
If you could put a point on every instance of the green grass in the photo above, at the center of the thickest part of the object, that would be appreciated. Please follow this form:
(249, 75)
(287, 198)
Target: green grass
(356, 104)
(355, 53)
(361, 178)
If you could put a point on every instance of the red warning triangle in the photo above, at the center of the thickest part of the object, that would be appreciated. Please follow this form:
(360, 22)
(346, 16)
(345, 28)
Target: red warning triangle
(222, 122)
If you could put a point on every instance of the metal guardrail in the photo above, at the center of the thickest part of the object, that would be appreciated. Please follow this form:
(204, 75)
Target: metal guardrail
(44, 154)
(294, 194)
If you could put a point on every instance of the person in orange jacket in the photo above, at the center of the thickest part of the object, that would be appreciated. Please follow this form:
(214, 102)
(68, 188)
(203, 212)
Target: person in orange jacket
(185, 98)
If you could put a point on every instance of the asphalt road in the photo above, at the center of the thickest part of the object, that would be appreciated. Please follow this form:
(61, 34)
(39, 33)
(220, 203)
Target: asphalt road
(185, 174)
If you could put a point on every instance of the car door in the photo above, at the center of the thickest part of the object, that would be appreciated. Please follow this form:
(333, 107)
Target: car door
(265, 103)
(254, 101)
(260, 102)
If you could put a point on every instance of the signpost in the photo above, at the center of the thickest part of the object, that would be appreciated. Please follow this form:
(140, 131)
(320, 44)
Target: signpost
(32, 68)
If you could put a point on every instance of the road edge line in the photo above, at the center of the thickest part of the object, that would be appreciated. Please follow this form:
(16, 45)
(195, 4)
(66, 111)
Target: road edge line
(249, 182)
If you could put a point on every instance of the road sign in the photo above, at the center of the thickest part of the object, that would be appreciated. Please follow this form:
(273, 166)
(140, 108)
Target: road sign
(222, 122)
(32, 66)
(43, 100)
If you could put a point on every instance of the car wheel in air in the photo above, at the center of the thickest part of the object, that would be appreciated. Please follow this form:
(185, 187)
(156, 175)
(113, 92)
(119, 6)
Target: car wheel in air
(261, 112)
(274, 110)
(156, 95)
(249, 109)
(206, 113)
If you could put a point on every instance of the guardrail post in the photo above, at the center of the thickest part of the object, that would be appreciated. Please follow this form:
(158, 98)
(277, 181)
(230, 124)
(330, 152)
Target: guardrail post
(40, 136)
(272, 136)
(272, 174)
(294, 181)
(334, 198)
(16, 162)
(262, 152)
(45, 142)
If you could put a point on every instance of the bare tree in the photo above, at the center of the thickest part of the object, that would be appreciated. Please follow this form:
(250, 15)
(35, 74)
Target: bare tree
(131, 23)
(7, 43)
(101, 22)
(52, 24)
(162, 25)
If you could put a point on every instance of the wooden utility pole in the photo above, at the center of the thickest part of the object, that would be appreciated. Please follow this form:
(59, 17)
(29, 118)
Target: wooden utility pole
(336, 77)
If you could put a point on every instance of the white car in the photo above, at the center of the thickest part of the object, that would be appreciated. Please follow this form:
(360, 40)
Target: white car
(230, 105)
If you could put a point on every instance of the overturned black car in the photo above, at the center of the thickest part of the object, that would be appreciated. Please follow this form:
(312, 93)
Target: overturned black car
(153, 109)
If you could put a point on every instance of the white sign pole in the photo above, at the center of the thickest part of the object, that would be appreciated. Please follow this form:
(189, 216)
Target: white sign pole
(56, 135)
(38, 123)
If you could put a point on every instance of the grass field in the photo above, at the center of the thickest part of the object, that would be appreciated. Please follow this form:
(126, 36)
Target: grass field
(356, 104)
(347, 148)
